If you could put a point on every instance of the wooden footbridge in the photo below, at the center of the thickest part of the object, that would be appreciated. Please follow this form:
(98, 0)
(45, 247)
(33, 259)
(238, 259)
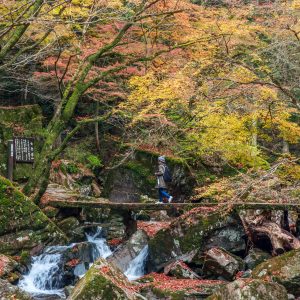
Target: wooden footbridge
(104, 203)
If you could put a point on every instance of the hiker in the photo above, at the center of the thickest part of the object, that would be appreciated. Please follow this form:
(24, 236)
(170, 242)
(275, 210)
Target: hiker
(163, 177)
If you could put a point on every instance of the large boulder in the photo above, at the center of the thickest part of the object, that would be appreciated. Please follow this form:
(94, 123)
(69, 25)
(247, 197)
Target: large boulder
(128, 251)
(9, 268)
(9, 291)
(23, 226)
(245, 289)
(284, 269)
(218, 262)
(197, 230)
(71, 227)
(137, 177)
(180, 270)
(102, 282)
(255, 257)
(159, 286)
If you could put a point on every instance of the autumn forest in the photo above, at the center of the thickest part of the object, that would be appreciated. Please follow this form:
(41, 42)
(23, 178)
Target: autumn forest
(149, 149)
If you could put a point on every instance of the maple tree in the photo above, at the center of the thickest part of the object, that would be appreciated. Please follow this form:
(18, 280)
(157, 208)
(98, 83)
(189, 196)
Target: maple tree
(229, 97)
(96, 60)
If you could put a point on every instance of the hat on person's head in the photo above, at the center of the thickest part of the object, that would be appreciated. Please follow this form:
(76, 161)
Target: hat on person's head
(162, 159)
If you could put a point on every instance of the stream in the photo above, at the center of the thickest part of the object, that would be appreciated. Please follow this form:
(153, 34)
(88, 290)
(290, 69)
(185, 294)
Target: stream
(45, 280)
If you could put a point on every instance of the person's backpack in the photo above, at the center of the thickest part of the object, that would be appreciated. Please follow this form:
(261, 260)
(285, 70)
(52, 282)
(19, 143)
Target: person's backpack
(167, 175)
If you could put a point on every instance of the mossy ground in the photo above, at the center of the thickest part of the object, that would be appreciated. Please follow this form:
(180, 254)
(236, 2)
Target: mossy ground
(23, 222)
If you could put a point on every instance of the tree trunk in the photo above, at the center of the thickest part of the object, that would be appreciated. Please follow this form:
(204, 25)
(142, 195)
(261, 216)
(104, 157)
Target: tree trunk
(41, 170)
(262, 225)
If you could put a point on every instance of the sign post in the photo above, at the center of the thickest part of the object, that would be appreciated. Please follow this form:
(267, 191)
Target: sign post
(20, 150)
(10, 160)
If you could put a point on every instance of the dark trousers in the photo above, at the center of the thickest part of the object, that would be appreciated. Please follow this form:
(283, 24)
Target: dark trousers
(163, 194)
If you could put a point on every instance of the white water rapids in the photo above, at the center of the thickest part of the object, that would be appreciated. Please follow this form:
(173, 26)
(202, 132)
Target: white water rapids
(136, 267)
(45, 275)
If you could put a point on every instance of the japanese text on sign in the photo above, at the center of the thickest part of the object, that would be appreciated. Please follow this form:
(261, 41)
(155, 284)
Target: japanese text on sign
(24, 151)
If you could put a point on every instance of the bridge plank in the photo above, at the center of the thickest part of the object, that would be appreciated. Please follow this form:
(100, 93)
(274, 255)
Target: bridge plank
(170, 206)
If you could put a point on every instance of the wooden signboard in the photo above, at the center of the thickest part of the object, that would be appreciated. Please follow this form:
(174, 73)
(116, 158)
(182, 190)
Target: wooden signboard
(24, 150)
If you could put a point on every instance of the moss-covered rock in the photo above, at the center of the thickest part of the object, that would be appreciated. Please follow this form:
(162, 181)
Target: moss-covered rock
(103, 282)
(284, 269)
(255, 257)
(218, 262)
(9, 268)
(9, 291)
(250, 290)
(197, 230)
(23, 225)
(159, 286)
(71, 227)
(19, 121)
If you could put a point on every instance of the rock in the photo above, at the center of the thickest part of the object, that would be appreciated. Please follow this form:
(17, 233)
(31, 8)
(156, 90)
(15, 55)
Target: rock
(197, 230)
(103, 282)
(159, 286)
(23, 226)
(180, 270)
(68, 290)
(9, 291)
(9, 269)
(126, 252)
(75, 261)
(51, 212)
(142, 216)
(284, 269)
(255, 257)
(71, 227)
(218, 262)
(250, 289)
(136, 177)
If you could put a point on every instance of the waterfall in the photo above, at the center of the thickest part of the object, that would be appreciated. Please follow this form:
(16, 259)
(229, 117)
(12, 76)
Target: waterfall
(100, 249)
(136, 267)
(45, 275)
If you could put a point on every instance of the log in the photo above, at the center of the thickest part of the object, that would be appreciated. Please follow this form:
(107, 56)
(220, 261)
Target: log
(104, 203)
(260, 225)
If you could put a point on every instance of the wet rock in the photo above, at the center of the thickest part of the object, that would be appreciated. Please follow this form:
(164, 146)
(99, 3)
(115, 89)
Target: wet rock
(68, 290)
(76, 260)
(245, 289)
(180, 270)
(23, 226)
(71, 227)
(196, 230)
(218, 262)
(126, 252)
(255, 257)
(9, 269)
(9, 291)
(102, 282)
(159, 286)
(284, 269)
(117, 228)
